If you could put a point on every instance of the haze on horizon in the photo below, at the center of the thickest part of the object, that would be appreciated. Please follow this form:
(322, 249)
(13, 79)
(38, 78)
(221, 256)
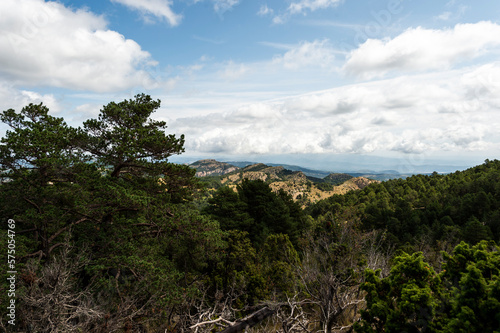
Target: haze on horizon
(381, 84)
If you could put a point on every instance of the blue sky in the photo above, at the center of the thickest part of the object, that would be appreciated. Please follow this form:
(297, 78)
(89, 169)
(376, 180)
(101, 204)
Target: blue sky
(384, 83)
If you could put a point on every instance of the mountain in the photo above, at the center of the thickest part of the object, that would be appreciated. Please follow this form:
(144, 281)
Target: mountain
(212, 167)
(302, 188)
(265, 173)
(314, 174)
(306, 171)
(240, 164)
(317, 175)
(383, 176)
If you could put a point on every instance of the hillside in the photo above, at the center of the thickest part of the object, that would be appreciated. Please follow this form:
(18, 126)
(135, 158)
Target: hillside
(337, 178)
(461, 205)
(302, 188)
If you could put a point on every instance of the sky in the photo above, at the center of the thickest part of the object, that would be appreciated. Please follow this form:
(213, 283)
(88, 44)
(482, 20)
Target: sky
(326, 84)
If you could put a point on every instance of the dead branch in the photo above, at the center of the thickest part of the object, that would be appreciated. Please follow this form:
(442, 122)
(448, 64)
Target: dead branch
(250, 321)
(209, 322)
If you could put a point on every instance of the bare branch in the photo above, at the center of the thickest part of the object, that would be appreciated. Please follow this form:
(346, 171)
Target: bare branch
(203, 323)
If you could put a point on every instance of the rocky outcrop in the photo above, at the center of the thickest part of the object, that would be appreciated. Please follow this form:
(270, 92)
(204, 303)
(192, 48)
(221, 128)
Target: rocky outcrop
(212, 167)
(357, 183)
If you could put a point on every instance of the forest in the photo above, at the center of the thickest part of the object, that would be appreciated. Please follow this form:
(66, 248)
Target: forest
(104, 234)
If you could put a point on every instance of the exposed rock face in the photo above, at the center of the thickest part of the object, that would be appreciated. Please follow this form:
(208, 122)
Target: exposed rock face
(357, 183)
(265, 173)
(362, 182)
(212, 167)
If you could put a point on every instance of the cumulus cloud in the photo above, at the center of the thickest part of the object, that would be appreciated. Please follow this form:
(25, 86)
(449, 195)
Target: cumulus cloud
(12, 98)
(483, 83)
(157, 8)
(324, 104)
(86, 111)
(420, 49)
(316, 53)
(45, 43)
(412, 115)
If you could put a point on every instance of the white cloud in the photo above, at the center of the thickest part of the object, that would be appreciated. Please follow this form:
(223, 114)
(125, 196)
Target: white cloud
(278, 20)
(12, 98)
(455, 12)
(298, 7)
(317, 53)
(157, 8)
(303, 6)
(444, 16)
(483, 83)
(45, 43)
(221, 6)
(86, 111)
(233, 71)
(264, 10)
(438, 112)
(422, 49)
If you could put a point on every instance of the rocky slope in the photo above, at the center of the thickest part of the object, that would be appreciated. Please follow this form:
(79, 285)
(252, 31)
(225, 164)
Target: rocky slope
(301, 187)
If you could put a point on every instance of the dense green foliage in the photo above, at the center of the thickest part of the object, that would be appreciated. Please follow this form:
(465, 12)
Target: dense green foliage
(463, 297)
(463, 205)
(324, 186)
(112, 237)
(336, 178)
(256, 209)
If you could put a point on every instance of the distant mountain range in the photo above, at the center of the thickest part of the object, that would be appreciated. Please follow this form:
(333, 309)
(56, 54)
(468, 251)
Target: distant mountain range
(380, 167)
(212, 167)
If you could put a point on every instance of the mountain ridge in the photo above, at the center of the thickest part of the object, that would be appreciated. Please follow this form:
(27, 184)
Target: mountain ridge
(315, 173)
(297, 184)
